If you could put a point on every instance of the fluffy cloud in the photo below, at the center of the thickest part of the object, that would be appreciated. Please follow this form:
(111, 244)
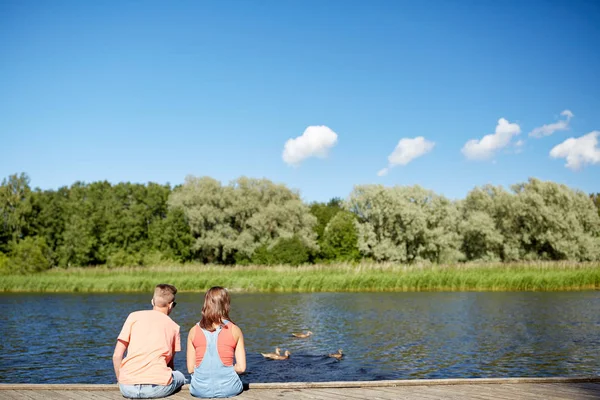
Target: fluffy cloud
(519, 146)
(549, 129)
(485, 148)
(407, 150)
(578, 151)
(314, 142)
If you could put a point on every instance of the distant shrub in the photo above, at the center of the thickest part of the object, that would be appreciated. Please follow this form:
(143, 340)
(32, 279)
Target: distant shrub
(3, 263)
(123, 259)
(340, 238)
(156, 258)
(29, 255)
(291, 251)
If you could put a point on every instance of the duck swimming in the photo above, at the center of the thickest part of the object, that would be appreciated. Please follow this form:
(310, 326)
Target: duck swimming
(337, 355)
(277, 355)
(277, 352)
(302, 335)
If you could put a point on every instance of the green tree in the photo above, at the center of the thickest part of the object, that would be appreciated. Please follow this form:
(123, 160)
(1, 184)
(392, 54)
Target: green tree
(405, 224)
(84, 225)
(230, 222)
(172, 236)
(538, 220)
(596, 200)
(15, 210)
(556, 223)
(324, 212)
(48, 218)
(29, 255)
(340, 238)
(4, 263)
(291, 251)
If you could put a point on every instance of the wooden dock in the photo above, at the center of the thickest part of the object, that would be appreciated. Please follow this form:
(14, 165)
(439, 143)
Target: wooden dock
(459, 389)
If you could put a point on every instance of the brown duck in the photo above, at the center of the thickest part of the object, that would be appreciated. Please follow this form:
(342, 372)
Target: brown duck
(302, 335)
(337, 355)
(277, 355)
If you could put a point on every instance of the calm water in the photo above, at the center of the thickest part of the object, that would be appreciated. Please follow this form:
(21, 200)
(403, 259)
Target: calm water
(70, 338)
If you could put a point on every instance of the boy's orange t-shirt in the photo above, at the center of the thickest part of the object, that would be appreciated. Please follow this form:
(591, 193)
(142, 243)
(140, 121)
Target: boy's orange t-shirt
(153, 339)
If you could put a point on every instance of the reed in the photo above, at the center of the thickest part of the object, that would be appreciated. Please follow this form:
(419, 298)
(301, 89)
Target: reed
(540, 276)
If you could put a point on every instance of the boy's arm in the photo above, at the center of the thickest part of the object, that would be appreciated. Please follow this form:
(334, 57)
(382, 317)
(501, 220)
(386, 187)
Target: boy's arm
(176, 348)
(118, 354)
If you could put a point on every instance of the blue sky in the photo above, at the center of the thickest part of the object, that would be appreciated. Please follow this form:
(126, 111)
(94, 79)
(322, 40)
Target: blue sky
(384, 92)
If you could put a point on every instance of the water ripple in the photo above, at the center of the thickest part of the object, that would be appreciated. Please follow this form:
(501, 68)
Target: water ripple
(69, 338)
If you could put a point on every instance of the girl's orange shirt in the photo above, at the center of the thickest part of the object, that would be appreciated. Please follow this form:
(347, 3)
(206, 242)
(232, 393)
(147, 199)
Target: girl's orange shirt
(225, 344)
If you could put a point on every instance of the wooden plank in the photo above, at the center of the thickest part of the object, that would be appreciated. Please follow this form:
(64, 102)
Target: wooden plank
(264, 394)
(354, 393)
(105, 395)
(392, 393)
(423, 382)
(443, 392)
(288, 393)
(335, 384)
(404, 392)
(529, 391)
(30, 394)
(413, 392)
(83, 394)
(252, 395)
(479, 392)
(313, 394)
(27, 394)
(563, 391)
(11, 395)
(509, 389)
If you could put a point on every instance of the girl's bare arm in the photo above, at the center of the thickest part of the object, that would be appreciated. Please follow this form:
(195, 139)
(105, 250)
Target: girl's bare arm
(191, 351)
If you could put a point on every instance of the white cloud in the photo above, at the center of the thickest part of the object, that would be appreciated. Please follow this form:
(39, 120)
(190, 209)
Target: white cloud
(485, 148)
(383, 171)
(549, 129)
(314, 142)
(578, 151)
(519, 146)
(567, 113)
(407, 150)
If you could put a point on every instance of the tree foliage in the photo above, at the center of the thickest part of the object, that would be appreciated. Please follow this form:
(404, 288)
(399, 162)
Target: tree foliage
(230, 222)
(538, 220)
(292, 251)
(15, 209)
(29, 255)
(340, 238)
(596, 200)
(405, 224)
(324, 212)
(258, 221)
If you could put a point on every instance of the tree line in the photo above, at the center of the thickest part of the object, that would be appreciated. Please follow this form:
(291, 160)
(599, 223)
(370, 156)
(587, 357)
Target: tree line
(256, 221)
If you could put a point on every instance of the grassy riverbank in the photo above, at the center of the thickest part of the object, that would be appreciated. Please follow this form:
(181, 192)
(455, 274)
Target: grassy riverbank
(315, 278)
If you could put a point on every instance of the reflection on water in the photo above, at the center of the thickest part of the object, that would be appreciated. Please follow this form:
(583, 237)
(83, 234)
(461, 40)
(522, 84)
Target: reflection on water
(69, 338)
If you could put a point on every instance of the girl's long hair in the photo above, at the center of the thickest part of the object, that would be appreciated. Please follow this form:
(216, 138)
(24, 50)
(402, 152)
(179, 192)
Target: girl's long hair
(215, 308)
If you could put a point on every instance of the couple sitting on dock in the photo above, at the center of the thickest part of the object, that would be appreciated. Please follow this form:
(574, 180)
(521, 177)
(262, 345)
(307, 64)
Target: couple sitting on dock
(151, 338)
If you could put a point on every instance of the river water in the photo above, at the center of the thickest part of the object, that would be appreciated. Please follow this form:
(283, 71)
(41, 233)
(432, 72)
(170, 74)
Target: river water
(69, 338)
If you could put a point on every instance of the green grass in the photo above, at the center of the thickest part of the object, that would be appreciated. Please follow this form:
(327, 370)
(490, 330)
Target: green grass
(315, 278)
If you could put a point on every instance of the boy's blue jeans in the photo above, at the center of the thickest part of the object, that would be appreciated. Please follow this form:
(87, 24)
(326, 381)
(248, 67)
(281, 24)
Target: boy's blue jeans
(153, 391)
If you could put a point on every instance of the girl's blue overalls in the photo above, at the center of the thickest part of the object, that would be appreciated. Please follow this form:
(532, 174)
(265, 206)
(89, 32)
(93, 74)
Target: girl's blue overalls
(212, 378)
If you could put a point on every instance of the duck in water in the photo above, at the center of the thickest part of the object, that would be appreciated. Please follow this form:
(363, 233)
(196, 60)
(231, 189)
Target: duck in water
(337, 355)
(302, 335)
(277, 355)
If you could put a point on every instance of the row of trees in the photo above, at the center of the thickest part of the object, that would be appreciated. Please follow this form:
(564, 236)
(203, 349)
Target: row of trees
(257, 221)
